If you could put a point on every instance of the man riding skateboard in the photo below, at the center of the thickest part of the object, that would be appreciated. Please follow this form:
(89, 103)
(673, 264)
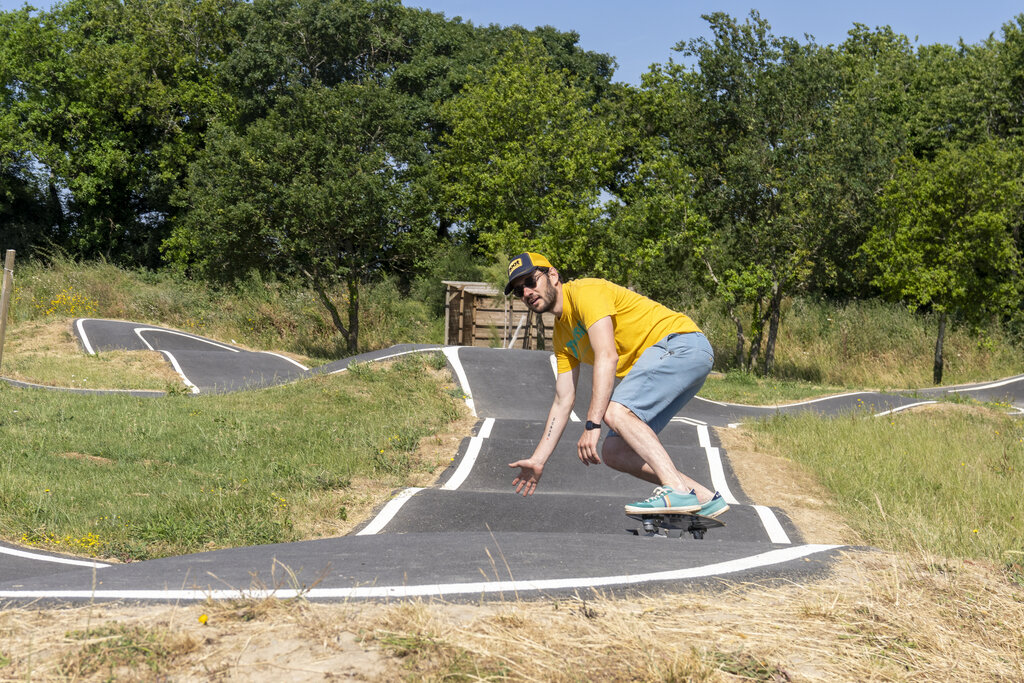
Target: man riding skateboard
(663, 359)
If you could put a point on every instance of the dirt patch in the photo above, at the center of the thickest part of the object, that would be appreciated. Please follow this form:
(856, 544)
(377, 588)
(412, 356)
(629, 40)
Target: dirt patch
(53, 337)
(99, 460)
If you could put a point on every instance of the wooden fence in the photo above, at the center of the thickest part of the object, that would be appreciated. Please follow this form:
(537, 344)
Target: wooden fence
(477, 314)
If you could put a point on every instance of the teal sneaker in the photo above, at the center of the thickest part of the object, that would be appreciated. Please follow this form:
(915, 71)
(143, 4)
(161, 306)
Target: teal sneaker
(665, 501)
(714, 507)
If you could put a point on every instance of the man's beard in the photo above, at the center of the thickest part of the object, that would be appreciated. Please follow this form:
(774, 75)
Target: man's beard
(543, 304)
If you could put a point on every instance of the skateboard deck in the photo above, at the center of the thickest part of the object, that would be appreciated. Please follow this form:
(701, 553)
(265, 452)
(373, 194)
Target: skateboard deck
(655, 524)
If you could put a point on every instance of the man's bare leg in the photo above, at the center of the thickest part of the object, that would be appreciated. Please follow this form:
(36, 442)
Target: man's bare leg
(636, 450)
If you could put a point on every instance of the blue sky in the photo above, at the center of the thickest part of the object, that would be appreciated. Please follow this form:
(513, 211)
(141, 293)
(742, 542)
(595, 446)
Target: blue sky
(641, 32)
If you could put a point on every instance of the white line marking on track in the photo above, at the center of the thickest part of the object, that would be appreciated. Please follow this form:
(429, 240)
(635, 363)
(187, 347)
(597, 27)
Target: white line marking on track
(49, 558)
(452, 353)
(718, 480)
(469, 459)
(283, 357)
(177, 368)
(772, 525)
(388, 512)
(909, 405)
(85, 338)
(717, 403)
(783, 405)
(688, 421)
(767, 559)
(394, 355)
(769, 521)
(993, 385)
(721, 484)
(139, 330)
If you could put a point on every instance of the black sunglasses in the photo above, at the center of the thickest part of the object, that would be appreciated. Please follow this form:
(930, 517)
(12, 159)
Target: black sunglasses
(531, 281)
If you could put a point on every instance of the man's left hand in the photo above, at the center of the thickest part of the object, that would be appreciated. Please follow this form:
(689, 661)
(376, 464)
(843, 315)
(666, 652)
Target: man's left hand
(586, 447)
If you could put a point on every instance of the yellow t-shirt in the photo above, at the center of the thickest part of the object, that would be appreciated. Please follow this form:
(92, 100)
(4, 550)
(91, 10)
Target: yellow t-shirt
(639, 323)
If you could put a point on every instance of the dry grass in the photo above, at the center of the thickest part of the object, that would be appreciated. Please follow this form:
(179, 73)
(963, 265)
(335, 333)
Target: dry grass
(877, 617)
(46, 352)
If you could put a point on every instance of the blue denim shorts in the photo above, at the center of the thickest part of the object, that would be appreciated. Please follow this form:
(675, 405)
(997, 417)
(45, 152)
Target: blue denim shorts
(665, 377)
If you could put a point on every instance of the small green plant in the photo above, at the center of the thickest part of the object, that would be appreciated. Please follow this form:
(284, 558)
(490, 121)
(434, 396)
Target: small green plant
(436, 361)
(747, 667)
(109, 648)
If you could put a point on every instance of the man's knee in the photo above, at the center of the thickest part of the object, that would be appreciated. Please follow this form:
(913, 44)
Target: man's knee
(616, 454)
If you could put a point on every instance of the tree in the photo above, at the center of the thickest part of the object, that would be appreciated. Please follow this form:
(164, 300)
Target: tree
(752, 121)
(526, 159)
(871, 112)
(279, 45)
(29, 214)
(111, 101)
(653, 224)
(315, 189)
(947, 239)
(447, 55)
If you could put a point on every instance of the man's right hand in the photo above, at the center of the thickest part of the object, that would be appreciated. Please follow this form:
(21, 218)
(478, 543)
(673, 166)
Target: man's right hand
(529, 475)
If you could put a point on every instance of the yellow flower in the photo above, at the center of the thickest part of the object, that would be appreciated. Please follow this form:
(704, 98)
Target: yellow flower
(203, 619)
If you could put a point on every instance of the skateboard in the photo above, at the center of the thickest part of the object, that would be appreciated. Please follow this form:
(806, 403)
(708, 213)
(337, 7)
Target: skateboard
(655, 524)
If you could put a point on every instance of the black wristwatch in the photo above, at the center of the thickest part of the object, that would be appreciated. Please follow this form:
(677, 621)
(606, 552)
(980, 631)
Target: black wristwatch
(592, 425)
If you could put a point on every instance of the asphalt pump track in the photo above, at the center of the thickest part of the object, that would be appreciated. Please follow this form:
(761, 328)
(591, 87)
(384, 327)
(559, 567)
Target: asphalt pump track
(469, 536)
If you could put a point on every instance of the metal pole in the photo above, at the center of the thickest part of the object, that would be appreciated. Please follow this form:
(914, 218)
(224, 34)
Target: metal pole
(5, 298)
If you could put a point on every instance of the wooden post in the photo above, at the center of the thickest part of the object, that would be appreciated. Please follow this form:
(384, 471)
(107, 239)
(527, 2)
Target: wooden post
(468, 314)
(5, 298)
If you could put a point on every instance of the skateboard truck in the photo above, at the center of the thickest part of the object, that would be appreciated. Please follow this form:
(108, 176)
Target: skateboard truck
(655, 525)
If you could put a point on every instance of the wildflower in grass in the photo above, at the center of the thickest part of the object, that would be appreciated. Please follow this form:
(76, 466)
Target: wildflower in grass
(68, 302)
(203, 619)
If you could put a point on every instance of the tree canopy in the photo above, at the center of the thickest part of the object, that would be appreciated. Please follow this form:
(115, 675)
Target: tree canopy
(348, 140)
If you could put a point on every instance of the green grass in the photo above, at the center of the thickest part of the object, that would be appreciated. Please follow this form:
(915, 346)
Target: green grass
(946, 481)
(867, 345)
(742, 387)
(115, 476)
